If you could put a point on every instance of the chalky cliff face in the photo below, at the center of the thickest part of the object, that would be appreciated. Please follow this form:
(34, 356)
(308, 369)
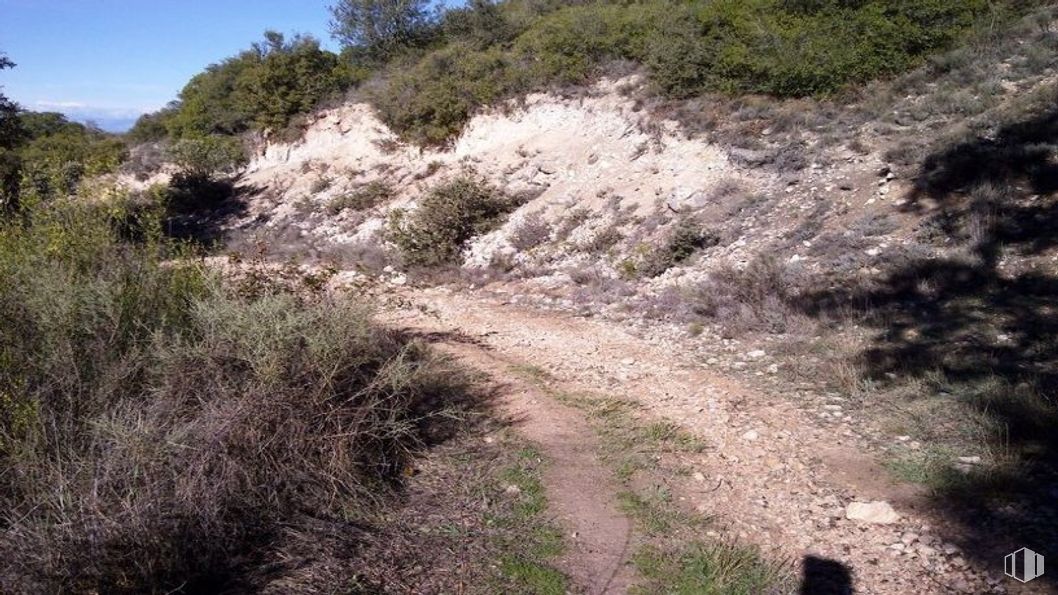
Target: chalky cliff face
(603, 179)
(593, 158)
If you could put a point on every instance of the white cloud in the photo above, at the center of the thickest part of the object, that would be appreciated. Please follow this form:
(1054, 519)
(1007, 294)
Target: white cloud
(61, 104)
(114, 119)
(78, 108)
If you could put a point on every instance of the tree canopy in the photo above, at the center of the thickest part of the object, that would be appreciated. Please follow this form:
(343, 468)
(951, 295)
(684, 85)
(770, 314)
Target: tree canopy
(263, 87)
(379, 27)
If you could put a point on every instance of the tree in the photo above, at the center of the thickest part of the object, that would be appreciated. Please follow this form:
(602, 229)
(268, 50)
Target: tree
(379, 27)
(152, 127)
(481, 22)
(287, 78)
(208, 105)
(200, 158)
(11, 136)
(11, 133)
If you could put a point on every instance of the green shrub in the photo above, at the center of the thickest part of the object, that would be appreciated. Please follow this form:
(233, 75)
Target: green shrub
(686, 238)
(431, 75)
(430, 101)
(55, 155)
(731, 46)
(764, 46)
(161, 430)
(202, 157)
(566, 46)
(380, 29)
(262, 87)
(447, 217)
(368, 196)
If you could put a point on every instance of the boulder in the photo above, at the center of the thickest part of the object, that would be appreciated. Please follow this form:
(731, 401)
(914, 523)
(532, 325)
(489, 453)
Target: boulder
(878, 512)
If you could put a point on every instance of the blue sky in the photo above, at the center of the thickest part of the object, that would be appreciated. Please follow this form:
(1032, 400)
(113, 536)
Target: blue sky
(110, 60)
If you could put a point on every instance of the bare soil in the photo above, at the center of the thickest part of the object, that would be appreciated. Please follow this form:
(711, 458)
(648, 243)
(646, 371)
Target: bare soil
(772, 477)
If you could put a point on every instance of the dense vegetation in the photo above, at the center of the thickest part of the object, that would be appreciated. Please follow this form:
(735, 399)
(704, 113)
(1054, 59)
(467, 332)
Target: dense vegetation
(429, 72)
(161, 429)
(44, 155)
(263, 87)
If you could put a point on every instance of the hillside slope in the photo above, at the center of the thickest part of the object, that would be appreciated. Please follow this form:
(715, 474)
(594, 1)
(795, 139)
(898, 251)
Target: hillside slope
(882, 269)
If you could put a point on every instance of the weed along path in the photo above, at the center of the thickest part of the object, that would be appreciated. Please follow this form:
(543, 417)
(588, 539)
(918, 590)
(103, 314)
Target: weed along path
(580, 490)
(652, 454)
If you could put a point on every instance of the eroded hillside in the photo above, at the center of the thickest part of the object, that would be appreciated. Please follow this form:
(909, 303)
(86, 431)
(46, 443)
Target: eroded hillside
(863, 290)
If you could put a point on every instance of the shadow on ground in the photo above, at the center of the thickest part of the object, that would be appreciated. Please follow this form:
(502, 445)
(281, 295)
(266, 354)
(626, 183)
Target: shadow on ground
(980, 329)
(822, 576)
(200, 210)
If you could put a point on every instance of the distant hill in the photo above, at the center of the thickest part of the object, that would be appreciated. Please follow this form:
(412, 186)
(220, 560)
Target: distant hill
(115, 125)
(118, 124)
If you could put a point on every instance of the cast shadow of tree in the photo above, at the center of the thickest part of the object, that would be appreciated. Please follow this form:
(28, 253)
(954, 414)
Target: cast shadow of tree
(987, 328)
(200, 209)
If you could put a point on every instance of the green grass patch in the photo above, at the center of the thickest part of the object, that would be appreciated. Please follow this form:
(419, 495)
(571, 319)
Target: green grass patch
(670, 558)
(699, 568)
(529, 541)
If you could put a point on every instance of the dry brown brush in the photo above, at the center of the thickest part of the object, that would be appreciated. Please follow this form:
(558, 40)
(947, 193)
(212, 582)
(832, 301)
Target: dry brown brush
(161, 430)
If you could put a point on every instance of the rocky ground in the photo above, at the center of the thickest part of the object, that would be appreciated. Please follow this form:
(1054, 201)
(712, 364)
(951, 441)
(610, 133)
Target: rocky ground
(773, 473)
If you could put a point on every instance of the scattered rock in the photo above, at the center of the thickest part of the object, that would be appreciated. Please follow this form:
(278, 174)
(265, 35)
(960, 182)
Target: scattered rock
(628, 361)
(878, 512)
(699, 476)
(757, 353)
(751, 435)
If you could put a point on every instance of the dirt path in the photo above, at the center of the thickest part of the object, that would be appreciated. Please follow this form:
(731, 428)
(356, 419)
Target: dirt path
(772, 476)
(581, 490)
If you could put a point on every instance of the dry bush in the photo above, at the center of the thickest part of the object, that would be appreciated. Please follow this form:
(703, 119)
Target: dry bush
(602, 240)
(145, 160)
(575, 219)
(320, 184)
(758, 298)
(596, 287)
(531, 232)
(370, 257)
(365, 197)
(160, 431)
